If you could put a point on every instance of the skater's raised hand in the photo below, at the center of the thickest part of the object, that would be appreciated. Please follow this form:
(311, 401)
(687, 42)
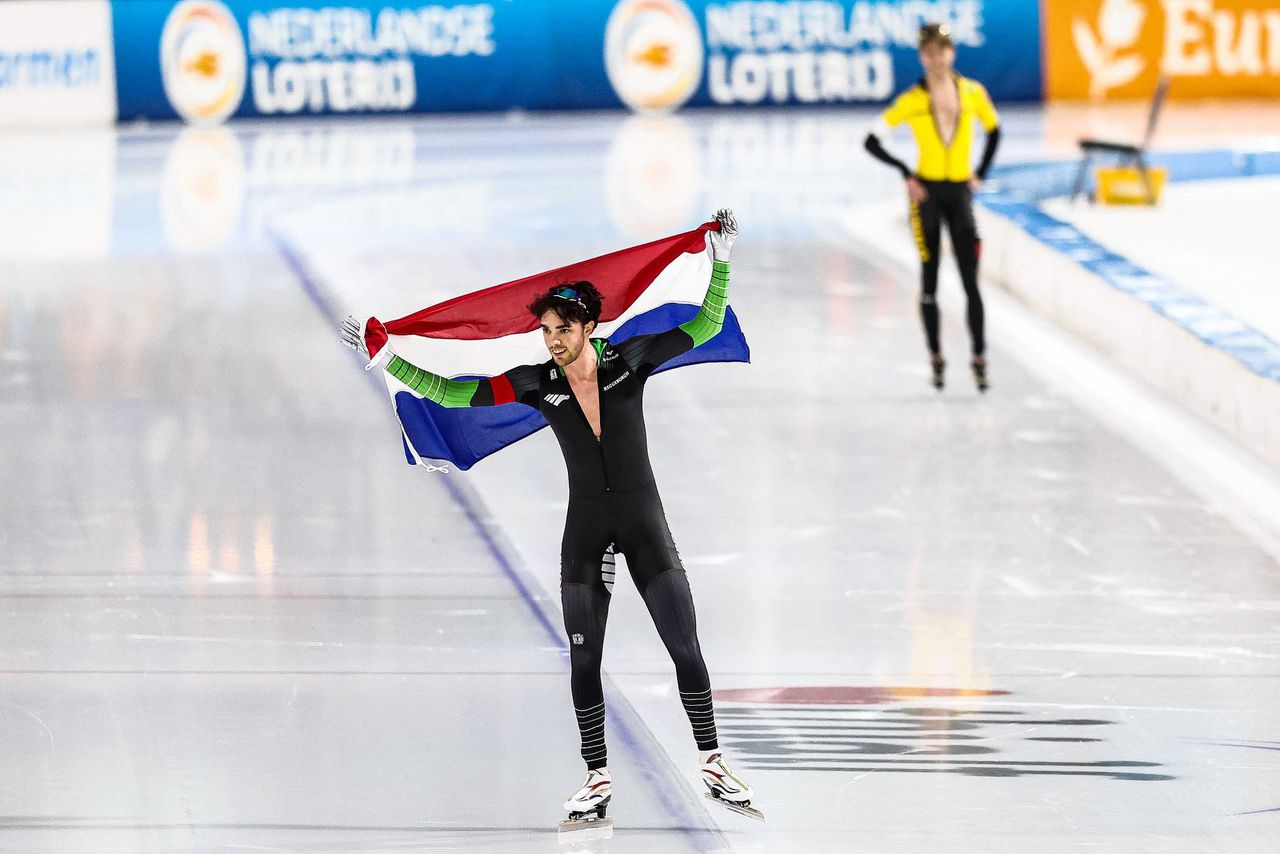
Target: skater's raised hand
(722, 241)
(368, 338)
(353, 336)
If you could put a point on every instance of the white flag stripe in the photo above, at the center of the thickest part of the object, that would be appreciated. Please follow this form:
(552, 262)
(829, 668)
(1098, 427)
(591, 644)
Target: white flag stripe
(684, 280)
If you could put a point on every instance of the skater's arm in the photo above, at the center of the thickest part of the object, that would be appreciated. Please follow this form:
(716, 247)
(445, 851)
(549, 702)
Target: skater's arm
(509, 387)
(645, 353)
(873, 145)
(895, 115)
(989, 152)
(991, 124)
(709, 320)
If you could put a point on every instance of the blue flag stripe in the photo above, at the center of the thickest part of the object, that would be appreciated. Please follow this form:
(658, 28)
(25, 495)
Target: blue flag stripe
(466, 436)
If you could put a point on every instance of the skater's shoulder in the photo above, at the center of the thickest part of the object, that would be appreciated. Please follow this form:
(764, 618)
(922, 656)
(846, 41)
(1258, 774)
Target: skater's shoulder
(533, 375)
(530, 370)
(915, 96)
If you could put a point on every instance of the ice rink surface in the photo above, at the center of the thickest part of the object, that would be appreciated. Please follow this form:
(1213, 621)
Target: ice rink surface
(235, 620)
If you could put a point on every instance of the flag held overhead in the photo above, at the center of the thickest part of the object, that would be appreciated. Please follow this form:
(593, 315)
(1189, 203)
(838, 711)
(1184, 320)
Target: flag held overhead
(475, 338)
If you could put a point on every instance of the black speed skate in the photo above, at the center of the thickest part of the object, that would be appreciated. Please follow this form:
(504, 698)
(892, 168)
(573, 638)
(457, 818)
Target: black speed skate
(939, 367)
(980, 374)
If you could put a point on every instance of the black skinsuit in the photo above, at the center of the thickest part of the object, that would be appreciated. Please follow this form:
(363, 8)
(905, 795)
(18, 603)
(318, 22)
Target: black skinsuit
(614, 503)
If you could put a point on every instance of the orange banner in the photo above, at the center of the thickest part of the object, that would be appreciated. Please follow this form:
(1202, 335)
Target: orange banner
(1102, 49)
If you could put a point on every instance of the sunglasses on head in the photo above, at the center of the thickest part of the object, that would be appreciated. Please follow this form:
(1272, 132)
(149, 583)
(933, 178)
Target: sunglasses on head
(570, 294)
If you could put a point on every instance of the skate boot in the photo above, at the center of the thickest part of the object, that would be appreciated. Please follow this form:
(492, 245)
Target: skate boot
(726, 788)
(939, 367)
(979, 366)
(587, 805)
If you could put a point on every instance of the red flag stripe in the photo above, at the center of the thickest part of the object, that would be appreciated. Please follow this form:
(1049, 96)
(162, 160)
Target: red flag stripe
(504, 309)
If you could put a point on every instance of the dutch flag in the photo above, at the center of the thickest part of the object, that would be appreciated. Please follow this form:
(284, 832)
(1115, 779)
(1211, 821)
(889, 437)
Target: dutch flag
(649, 288)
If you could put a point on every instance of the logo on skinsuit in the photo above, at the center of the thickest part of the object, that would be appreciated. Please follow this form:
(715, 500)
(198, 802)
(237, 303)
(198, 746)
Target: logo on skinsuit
(202, 61)
(1119, 48)
(576, 639)
(653, 53)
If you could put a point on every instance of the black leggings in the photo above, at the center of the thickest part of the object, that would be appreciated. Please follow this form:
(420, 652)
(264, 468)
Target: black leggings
(632, 522)
(952, 201)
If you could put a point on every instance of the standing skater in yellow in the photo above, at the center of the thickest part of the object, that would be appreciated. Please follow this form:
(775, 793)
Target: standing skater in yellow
(940, 109)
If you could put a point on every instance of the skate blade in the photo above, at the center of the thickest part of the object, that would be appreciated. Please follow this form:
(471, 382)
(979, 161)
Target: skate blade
(742, 809)
(587, 829)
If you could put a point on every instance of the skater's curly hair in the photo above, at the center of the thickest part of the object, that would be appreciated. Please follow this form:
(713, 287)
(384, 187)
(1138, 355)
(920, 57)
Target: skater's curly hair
(577, 301)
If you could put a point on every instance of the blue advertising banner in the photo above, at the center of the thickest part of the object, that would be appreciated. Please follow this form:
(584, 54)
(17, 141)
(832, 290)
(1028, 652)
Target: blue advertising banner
(662, 53)
(207, 60)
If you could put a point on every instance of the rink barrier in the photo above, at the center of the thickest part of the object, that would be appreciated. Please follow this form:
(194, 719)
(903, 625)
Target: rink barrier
(1211, 361)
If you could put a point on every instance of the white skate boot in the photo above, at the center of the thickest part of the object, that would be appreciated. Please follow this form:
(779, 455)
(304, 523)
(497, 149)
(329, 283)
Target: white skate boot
(586, 806)
(725, 787)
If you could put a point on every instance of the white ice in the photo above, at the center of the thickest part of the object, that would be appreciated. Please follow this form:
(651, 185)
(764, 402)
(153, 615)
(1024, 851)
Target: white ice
(234, 619)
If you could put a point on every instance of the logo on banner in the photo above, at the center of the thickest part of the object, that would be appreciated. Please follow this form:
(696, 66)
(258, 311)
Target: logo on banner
(358, 58)
(202, 60)
(797, 51)
(56, 64)
(653, 53)
(1118, 48)
(1105, 53)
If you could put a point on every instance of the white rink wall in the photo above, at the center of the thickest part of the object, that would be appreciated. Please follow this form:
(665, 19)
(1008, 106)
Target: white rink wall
(1158, 349)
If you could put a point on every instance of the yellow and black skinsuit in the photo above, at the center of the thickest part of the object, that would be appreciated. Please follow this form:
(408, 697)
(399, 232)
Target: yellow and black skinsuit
(945, 169)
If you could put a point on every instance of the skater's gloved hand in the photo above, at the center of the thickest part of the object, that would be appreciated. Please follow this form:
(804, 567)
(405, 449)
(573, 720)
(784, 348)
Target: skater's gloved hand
(916, 190)
(721, 241)
(369, 338)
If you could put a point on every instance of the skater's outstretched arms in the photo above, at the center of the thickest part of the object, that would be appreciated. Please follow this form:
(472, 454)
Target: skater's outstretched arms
(646, 353)
(518, 385)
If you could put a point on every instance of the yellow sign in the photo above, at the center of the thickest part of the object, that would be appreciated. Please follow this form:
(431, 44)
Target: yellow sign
(1101, 49)
(1125, 185)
